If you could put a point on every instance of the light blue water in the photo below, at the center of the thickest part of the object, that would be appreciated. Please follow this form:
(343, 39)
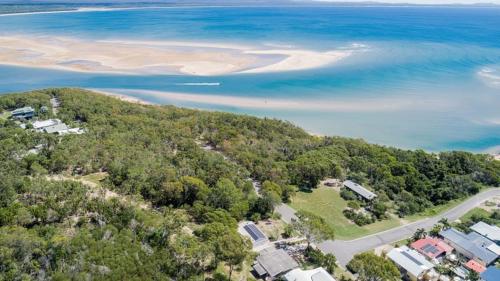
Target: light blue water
(427, 77)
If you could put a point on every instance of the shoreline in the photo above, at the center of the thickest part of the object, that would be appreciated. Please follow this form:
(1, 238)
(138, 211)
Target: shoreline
(158, 57)
(341, 105)
(493, 151)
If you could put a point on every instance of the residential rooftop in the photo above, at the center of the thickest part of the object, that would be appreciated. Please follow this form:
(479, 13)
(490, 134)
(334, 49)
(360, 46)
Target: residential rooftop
(492, 273)
(431, 247)
(360, 190)
(474, 265)
(410, 260)
(491, 232)
(274, 262)
(474, 243)
(317, 274)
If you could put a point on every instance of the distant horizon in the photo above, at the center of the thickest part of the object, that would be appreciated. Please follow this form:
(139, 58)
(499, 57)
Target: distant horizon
(261, 2)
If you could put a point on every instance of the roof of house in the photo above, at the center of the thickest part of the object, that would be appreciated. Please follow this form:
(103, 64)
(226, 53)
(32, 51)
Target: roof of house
(491, 232)
(45, 123)
(491, 274)
(56, 128)
(474, 265)
(275, 262)
(410, 260)
(317, 274)
(365, 193)
(472, 242)
(23, 110)
(431, 247)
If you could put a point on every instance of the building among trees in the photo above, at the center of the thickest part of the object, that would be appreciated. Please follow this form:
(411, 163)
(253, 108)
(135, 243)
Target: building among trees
(23, 113)
(359, 190)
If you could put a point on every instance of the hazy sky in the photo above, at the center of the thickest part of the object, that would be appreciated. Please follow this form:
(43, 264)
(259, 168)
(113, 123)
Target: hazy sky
(262, 1)
(420, 1)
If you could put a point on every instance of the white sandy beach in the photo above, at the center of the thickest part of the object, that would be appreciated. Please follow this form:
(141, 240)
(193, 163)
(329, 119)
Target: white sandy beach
(156, 57)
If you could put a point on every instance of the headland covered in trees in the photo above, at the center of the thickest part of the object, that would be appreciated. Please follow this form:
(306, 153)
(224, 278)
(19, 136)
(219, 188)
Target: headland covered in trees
(137, 197)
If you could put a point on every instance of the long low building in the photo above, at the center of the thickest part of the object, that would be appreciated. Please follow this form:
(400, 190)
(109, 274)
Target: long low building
(359, 190)
(473, 245)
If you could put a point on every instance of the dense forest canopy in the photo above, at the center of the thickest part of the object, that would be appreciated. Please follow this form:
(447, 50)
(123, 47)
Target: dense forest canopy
(61, 229)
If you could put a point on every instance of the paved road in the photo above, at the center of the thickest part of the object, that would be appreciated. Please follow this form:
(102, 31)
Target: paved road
(287, 213)
(345, 250)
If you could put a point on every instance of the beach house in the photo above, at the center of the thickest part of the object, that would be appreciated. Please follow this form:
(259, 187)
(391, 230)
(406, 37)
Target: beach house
(23, 113)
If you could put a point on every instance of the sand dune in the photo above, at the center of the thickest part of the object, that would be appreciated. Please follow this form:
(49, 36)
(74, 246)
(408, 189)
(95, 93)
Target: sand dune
(156, 57)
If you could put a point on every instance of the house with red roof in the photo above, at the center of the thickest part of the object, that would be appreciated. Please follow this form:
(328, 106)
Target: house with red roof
(474, 265)
(432, 248)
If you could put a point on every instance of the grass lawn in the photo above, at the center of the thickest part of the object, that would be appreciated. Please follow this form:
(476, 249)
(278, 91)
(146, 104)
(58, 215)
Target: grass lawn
(327, 203)
(4, 115)
(475, 211)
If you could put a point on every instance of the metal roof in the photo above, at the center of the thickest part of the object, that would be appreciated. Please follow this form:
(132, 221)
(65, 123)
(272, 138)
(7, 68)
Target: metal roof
(410, 260)
(276, 262)
(365, 193)
(56, 128)
(45, 123)
(317, 274)
(472, 242)
(491, 274)
(23, 110)
(489, 231)
(254, 232)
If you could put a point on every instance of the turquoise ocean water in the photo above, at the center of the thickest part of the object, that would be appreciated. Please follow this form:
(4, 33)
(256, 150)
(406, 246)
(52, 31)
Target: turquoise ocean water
(420, 77)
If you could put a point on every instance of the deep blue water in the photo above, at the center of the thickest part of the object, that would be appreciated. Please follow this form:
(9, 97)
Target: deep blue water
(418, 83)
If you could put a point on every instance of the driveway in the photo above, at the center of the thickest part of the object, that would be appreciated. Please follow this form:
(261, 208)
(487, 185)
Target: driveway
(345, 250)
(287, 213)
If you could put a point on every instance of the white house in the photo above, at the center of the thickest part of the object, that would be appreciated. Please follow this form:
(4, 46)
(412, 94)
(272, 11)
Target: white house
(317, 274)
(410, 262)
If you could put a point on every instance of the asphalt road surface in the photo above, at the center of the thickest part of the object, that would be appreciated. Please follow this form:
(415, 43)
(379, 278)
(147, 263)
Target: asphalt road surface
(345, 250)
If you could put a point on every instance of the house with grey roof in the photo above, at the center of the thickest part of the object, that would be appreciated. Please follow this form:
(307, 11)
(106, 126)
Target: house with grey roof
(410, 262)
(473, 245)
(491, 232)
(359, 190)
(272, 263)
(56, 129)
(23, 113)
(39, 125)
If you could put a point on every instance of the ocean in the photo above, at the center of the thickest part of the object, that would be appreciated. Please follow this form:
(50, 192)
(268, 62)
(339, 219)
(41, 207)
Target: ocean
(418, 77)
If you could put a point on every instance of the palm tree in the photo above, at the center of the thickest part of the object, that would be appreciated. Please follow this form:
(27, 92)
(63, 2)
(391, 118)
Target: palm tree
(445, 223)
(441, 269)
(473, 276)
(419, 234)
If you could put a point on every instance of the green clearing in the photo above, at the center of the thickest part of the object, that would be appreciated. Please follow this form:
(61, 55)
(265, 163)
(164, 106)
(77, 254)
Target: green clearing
(476, 211)
(4, 115)
(328, 204)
